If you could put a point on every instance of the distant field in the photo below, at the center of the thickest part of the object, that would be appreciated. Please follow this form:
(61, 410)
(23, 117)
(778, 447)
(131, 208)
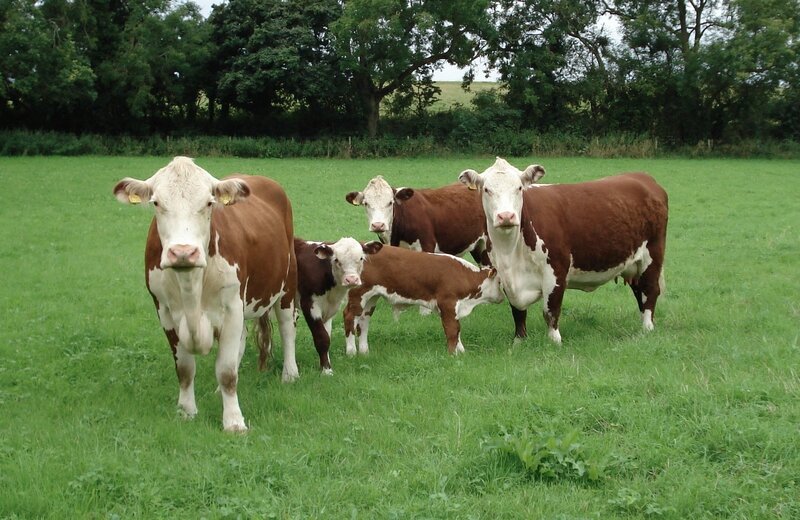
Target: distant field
(453, 95)
(698, 419)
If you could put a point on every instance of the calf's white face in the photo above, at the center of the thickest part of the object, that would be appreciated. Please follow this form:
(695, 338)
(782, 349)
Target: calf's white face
(183, 196)
(378, 199)
(347, 259)
(501, 188)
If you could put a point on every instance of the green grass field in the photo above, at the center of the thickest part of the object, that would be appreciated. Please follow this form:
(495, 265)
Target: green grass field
(699, 419)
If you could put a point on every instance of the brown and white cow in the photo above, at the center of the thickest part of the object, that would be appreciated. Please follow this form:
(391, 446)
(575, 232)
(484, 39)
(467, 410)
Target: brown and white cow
(325, 273)
(445, 284)
(218, 252)
(448, 219)
(576, 236)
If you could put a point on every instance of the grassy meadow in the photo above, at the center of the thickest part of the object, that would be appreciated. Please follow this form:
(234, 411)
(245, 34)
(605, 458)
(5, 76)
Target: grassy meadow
(699, 419)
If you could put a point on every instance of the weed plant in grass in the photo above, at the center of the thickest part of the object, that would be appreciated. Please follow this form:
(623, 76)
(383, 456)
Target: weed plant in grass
(698, 419)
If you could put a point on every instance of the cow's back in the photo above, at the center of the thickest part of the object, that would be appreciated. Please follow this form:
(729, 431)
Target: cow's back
(417, 274)
(599, 223)
(452, 213)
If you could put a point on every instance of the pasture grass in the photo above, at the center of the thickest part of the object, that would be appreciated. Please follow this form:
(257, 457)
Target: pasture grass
(699, 419)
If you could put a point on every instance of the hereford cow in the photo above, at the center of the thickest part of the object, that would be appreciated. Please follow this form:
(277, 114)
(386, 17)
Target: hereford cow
(325, 272)
(447, 220)
(437, 282)
(578, 236)
(218, 251)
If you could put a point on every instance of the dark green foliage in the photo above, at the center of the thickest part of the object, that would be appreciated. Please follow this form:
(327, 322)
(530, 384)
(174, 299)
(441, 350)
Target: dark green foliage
(547, 456)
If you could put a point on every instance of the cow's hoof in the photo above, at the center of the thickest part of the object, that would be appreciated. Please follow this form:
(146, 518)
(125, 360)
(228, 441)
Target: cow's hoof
(186, 415)
(554, 336)
(236, 428)
(327, 371)
(350, 352)
(290, 376)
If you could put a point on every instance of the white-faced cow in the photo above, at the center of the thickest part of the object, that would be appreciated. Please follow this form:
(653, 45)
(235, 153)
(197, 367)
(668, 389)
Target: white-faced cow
(448, 219)
(445, 284)
(218, 251)
(325, 273)
(578, 236)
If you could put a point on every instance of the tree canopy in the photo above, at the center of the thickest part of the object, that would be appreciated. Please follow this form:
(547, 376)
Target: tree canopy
(681, 70)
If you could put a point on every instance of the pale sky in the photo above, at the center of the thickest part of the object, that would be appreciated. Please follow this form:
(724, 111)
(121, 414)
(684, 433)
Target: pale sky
(448, 73)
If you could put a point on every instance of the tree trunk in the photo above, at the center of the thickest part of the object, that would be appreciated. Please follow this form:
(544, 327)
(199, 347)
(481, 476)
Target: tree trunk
(373, 114)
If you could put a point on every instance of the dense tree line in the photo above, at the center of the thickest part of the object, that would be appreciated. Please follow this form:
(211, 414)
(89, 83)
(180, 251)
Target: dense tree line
(680, 70)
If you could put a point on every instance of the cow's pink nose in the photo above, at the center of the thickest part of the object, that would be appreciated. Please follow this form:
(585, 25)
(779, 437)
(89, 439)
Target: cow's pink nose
(377, 226)
(506, 218)
(183, 255)
(352, 279)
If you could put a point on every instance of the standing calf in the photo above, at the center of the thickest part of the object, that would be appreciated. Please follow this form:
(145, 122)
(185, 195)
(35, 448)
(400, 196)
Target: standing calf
(325, 272)
(442, 283)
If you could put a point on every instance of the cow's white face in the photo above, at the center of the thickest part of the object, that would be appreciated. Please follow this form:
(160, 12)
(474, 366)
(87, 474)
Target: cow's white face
(378, 199)
(183, 196)
(347, 259)
(501, 188)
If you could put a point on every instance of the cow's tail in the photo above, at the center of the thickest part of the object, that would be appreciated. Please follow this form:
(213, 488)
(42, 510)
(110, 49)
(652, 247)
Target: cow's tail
(264, 338)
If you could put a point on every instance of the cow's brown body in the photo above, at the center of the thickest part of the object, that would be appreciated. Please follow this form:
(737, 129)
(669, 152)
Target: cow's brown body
(441, 283)
(546, 239)
(218, 252)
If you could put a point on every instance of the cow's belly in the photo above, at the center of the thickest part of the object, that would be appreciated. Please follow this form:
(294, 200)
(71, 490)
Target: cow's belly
(631, 267)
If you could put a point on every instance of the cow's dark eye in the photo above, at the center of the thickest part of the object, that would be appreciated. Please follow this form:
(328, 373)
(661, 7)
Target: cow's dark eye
(520, 188)
(486, 191)
(155, 203)
(210, 203)
(390, 203)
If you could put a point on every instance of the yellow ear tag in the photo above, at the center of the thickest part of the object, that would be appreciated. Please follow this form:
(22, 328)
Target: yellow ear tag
(354, 203)
(472, 186)
(226, 199)
(134, 198)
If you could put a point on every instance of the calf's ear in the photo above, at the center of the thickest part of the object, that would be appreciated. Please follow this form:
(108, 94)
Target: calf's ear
(231, 191)
(471, 179)
(492, 272)
(323, 251)
(371, 248)
(132, 191)
(532, 174)
(403, 194)
(355, 198)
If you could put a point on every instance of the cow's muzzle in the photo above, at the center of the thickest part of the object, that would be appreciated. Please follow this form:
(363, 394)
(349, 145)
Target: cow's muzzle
(351, 280)
(378, 227)
(181, 256)
(506, 219)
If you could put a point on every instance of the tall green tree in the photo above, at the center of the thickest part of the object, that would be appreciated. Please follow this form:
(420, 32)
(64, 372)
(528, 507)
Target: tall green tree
(552, 58)
(384, 44)
(44, 79)
(273, 56)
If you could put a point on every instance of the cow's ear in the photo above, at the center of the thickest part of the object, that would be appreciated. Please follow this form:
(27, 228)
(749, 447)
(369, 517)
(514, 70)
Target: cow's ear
(403, 194)
(323, 251)
(355, 198)
(492, 272)
(471, 179)
(132, 191)
(532, 174)
(231, 191)
(371, 248)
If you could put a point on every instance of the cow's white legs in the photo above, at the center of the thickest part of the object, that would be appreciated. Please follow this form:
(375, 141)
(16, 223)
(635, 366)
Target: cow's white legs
(185, 366)
(286, 326)
(329, 326)
(554, 336)
(227, 369)
(647, 320)
(363, 339)
(459, 346)
(350, 344)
